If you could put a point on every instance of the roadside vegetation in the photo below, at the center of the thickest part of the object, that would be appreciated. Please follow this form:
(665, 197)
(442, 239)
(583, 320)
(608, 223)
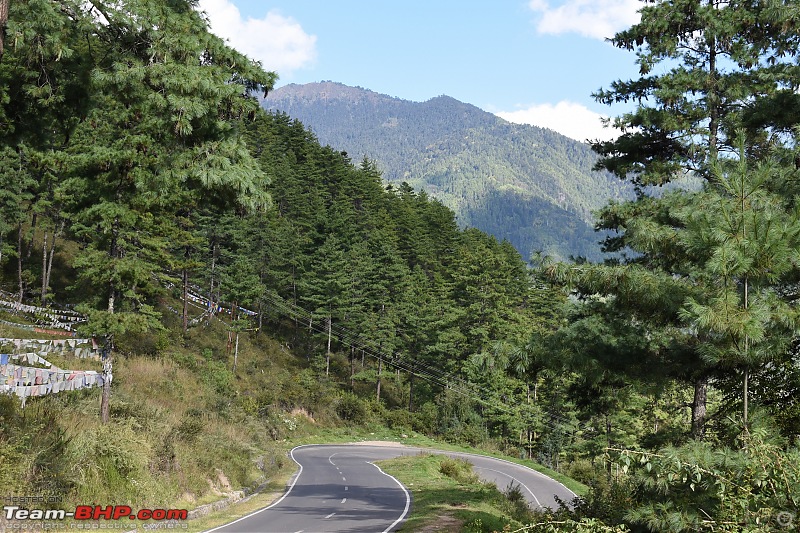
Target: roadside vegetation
(252, 289)
(448, 496)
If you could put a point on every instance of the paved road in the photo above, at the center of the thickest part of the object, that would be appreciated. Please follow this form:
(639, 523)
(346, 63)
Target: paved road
(339, 489)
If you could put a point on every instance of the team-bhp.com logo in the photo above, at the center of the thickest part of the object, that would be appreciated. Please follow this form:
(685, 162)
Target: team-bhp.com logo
(94, 512)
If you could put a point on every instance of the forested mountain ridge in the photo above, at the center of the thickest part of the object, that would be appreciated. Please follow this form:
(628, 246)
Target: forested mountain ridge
(526, 184)
(145, 184)
(667, 380)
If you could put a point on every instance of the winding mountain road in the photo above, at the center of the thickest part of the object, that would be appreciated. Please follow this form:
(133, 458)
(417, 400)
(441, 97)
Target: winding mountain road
(338, 489)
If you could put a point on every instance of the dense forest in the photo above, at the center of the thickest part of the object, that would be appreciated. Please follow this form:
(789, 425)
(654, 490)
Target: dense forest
(239, 280)
(529, 185)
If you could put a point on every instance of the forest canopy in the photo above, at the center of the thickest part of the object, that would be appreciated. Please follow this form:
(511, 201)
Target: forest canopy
(139, 176)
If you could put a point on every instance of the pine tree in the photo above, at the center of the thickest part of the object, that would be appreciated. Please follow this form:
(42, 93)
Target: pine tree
(324, 289)
(704, 65)
(749, 242)
(157, 122)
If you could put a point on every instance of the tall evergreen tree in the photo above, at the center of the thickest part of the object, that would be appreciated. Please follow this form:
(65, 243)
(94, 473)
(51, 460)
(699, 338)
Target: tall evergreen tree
(703, 66)
(749, 242)
(162, 96)
(324, 289)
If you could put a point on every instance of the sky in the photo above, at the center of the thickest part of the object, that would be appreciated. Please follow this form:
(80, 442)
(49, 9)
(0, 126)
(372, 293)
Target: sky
(528, 61)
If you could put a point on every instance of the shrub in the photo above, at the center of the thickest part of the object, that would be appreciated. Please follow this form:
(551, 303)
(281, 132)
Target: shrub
(351, 409)
(458, 469)
(399, 419)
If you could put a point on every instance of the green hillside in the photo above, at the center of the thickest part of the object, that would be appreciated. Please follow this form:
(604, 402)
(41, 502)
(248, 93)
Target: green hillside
(243, 284)
(190, 285)
(529, 185)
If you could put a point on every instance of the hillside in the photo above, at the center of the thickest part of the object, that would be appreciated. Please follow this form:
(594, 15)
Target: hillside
(529, 185)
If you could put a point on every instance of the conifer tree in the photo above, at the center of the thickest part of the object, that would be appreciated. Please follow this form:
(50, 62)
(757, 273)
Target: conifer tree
(704, 67)
(703, 64)
(325, 287)
(162, 96)
(749, 243)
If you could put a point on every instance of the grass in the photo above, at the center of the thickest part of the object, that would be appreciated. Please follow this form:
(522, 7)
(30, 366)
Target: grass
(356, 434)
(447, 496)
(185, 430)
(274, 490)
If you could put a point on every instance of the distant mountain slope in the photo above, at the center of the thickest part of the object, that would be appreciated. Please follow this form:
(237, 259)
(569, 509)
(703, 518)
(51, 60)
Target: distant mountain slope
(529, 185)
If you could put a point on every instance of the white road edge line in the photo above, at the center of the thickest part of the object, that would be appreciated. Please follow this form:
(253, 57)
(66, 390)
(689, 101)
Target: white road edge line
(408, 499)
(513, 478)
(330, 515)
(535, 472)
(276, 502)
(408, 496)
(344, 500)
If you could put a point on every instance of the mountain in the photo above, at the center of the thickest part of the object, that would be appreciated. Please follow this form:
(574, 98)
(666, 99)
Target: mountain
(526, 184)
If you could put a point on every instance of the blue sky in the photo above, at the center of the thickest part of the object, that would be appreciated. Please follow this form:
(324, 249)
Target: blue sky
(529, 61)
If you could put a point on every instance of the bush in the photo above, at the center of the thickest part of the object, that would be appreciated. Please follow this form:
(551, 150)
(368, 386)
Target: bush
(584, 471)
(351, 409)
(217, 375)
(399, 419)
(458, 469)
(427, 420)
(470, 434)
(513, 493)
(189, 428)
(518, 505)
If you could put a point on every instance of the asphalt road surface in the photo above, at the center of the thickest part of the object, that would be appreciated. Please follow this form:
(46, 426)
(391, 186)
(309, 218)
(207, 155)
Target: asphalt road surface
(338, 489)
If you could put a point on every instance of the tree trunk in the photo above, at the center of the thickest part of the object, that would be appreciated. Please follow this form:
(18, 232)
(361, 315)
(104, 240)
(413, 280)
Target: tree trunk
(328, 353)
(380, 369)
(49, 269)
(185, 314)
(29, 248)
(212, 306)
(713, 100)
(105, 398)
(352, 367)
(229, 347)
(745, 391)
(530, 445)
(411, 389)
(44, 270)
(699, 408)
(236, 353)
(4, 4)
(19, 263)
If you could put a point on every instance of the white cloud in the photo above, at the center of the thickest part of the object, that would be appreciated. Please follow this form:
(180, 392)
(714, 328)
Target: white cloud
(279, 42)
(598, 19)
(567, 118)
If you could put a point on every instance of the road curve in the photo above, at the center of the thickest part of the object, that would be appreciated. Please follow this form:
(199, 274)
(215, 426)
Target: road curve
(337, 488)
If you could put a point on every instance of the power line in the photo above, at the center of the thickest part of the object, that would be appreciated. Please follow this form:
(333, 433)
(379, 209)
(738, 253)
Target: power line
(427, 372)
(410, 364)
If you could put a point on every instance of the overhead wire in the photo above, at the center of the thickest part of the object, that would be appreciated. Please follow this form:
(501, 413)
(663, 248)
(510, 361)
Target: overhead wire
(427, 372)
(410, 364)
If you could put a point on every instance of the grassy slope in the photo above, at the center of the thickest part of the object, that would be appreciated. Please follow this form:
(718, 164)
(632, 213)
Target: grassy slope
(185, 430)
(349, 434)
(447, 496)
